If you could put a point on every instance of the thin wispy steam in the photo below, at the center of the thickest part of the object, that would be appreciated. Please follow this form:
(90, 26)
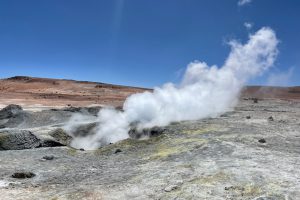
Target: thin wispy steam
(205, 91)
(248, 25)
(244, 2)
(280, 78)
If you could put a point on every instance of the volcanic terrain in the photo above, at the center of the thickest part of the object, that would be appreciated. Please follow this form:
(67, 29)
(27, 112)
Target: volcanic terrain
(251, 152)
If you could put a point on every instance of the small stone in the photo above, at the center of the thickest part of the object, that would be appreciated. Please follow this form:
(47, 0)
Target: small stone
(170, 188)
(118, 151)
(248, 117)
(48, 157)
(262, 140)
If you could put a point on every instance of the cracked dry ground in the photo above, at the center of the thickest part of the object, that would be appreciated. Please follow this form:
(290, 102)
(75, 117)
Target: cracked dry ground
(243, 154)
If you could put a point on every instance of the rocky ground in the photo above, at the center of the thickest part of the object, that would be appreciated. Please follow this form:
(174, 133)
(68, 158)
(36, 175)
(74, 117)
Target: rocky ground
(252, 152)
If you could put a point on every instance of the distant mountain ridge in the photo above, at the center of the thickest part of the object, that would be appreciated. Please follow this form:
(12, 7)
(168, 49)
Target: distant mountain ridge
(25, 90)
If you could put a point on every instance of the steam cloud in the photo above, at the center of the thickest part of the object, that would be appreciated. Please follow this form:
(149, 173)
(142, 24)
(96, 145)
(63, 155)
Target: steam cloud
(205, 91)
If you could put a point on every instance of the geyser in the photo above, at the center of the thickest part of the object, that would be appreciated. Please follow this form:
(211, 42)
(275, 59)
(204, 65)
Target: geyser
(205, 91)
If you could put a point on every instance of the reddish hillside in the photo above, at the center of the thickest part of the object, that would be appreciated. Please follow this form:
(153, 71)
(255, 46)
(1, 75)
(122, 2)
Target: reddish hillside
(55, 92)
(29, 91)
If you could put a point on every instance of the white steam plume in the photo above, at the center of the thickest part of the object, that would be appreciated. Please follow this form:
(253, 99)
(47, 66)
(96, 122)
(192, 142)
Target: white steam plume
(204, 92)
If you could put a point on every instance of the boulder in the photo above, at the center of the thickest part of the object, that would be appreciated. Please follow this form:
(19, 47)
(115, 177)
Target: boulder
(18, 140)
(61, 136)
(12, 116)
(10, 111)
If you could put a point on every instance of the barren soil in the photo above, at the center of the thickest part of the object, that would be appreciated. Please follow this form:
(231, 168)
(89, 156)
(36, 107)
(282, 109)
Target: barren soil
(42, 92)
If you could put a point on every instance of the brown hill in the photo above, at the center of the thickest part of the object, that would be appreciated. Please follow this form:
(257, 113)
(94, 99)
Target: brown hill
(30, 91)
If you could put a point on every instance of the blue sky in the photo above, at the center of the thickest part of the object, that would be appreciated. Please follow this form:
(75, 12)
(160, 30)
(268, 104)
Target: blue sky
(138, 42)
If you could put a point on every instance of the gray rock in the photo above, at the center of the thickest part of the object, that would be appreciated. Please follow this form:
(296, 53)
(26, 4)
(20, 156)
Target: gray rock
(10, 111)
(170, 188)
(118, 151)
(262, 140)
(61, 136)
(48, 157)
(18, 140)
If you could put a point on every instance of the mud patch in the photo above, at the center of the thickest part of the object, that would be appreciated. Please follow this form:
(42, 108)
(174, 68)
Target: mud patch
(23, 175)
